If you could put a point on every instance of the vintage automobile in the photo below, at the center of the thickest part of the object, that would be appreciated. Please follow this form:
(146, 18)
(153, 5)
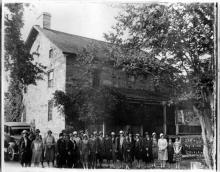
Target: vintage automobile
(12, 135)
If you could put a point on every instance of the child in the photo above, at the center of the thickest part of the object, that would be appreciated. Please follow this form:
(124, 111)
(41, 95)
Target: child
(177, 152)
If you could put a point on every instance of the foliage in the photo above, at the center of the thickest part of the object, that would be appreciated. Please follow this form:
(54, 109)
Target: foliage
(87, 104)
(18, 62)
(178, 38)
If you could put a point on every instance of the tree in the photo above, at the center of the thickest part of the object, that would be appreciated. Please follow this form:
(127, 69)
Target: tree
(177, 39)
(18, 62)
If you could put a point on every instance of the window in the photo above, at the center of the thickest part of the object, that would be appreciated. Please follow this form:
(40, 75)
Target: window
(51, 53)
(50, 78)
(50, 110)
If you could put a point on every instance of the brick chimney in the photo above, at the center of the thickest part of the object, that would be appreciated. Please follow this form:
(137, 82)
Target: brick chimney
(44, 20)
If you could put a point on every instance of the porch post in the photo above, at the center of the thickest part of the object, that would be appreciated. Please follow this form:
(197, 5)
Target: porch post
(164, 118)
(103, 128)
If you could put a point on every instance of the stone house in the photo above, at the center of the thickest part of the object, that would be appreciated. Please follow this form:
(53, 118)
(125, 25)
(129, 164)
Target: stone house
(58, 52)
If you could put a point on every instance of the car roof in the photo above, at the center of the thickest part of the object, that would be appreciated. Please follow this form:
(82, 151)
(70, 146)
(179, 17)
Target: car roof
(11, 124)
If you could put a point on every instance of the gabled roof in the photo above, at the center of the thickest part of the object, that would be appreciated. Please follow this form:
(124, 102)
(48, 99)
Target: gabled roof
(67, 43)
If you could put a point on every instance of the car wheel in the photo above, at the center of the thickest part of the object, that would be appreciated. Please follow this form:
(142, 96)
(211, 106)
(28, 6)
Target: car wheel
(11, 153)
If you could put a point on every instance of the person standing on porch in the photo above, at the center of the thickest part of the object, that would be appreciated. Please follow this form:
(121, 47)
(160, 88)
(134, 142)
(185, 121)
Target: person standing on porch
(84, 151)
(114, 148)
(101, 149)
(162, 150)
(138, 149)
(177, 146)
(120, 148)
(108, 149)
(147, 149)
(93, 150)
(170, 152)
(49, 144)
(154, 149)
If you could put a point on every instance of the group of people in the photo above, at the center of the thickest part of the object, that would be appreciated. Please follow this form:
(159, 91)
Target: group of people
(83, 150)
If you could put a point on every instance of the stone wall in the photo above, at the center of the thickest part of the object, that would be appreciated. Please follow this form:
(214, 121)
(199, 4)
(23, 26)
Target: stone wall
(37, 97)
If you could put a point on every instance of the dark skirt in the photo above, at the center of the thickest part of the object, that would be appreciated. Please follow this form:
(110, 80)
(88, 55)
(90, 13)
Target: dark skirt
(137, 154)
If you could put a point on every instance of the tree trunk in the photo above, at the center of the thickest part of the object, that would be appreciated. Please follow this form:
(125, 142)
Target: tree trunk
(207, 135)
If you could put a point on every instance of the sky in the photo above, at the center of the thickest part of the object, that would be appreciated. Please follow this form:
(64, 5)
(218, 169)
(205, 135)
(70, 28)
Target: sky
(89, 19)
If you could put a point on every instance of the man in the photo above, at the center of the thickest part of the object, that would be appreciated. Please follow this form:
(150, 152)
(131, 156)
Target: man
(60, 151)
(120, 147)
(25, 149)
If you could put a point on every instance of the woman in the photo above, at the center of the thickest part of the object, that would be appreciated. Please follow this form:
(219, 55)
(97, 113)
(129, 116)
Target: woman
(37, 149)
(93, 150)
(147, 148)
(162, 151)
(127, 149)
(154, 148)
(49, 143)
(170, 152)
(177, 146)
(68, 151)
(108, 149)
(138, 150)
(114, 148)
(84, 151)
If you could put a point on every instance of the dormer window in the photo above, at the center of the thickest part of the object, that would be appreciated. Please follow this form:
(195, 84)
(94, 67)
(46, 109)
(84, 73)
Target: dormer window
(51, 53)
